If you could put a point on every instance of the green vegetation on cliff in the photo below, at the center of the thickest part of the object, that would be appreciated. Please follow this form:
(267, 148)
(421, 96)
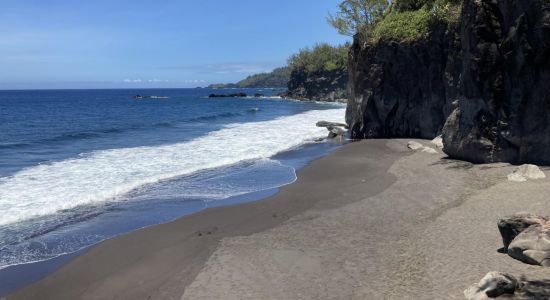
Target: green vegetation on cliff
(412, 19)
(277, 78)
(320, 58)
(319, 73)
(402, 20)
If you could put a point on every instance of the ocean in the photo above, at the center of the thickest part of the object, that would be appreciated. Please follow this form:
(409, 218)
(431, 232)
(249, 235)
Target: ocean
(81, 166)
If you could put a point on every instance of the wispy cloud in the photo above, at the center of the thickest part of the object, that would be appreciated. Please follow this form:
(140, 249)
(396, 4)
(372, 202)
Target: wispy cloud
(224, 68)
(156, 80)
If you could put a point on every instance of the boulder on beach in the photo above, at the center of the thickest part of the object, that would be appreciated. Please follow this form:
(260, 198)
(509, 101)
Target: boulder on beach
(329, 124)
(414, 145)
(334, 132)
(532, 246)
(511, 226)
(438, 142)
(493, 285)
(525, 172)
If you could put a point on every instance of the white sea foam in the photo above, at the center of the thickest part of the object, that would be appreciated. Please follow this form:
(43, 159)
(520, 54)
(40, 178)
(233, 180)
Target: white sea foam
(109, 174)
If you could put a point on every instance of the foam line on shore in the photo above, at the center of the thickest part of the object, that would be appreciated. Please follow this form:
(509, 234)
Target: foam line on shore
(109, 174)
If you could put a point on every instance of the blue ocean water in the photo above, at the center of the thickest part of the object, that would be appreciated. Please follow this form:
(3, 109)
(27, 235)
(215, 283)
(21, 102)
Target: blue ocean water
(81, 166)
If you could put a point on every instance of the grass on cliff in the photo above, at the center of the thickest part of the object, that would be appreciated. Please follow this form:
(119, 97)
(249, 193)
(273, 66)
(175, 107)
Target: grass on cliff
(408, 25)
(403, 26)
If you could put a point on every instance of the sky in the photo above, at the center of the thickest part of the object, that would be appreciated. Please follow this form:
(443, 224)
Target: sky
(151, 44)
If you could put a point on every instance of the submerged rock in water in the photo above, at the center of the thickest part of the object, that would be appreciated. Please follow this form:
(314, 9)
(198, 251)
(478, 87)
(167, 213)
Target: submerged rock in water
(234, 95)
(493, 285)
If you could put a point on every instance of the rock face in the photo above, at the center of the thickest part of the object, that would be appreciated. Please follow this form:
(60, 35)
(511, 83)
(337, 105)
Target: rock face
(493, 285)
(325, 86)
(403, 89)
(483, 85)
(503, 109)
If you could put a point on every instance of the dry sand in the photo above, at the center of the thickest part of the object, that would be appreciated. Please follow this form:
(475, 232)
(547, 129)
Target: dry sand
(374, 220)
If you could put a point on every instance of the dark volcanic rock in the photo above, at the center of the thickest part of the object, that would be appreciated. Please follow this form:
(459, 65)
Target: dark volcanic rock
(326, 86)
(503, 113)
(483, 84)
(235, 95)
(403, 89)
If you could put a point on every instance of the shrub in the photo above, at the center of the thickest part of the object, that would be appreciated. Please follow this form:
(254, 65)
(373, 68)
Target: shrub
(354, 15)
(407, 22)
(320, 58)
(403, 26)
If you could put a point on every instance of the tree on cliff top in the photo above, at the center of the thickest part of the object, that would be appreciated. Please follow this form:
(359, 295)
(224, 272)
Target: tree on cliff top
(321, 58)
(354, 15)
(399, 20)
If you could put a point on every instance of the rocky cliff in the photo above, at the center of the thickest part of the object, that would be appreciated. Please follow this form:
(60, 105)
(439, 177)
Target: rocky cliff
(403, 89)
(503, 113)
(329, 86)
(484, 84)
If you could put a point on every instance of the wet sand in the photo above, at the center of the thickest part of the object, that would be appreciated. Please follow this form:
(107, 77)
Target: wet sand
(374, 220)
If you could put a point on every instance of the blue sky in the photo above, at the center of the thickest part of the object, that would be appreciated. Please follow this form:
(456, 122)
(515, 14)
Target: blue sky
(164, 43)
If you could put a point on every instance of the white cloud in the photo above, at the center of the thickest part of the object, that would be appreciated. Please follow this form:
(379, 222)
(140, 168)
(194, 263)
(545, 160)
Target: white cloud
(245, 68)
(127, 80)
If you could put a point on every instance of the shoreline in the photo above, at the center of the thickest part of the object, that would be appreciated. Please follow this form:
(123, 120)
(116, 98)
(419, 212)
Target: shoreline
(371, 220)
(21, 275)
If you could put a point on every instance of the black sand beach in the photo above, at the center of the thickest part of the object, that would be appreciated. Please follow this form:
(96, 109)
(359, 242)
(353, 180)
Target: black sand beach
(374, 220)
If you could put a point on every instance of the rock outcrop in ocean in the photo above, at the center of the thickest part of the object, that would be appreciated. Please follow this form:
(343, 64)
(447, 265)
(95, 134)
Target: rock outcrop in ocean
(482, 84)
